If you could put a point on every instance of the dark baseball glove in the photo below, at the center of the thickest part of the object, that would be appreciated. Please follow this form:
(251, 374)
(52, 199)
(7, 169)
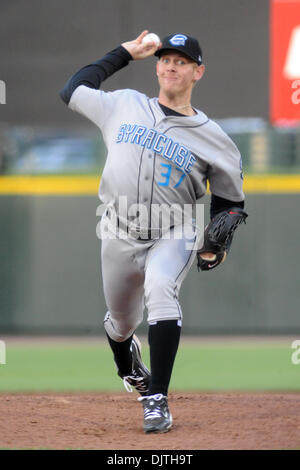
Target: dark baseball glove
(218, 237)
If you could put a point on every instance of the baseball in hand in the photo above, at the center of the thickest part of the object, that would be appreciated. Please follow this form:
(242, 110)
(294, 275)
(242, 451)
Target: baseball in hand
(151, 37)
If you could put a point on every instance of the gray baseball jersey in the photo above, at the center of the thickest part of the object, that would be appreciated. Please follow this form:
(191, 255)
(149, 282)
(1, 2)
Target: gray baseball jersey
(156, 159)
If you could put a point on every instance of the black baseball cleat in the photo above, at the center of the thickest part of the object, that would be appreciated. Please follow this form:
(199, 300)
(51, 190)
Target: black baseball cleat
(140, 377)
(157, 417)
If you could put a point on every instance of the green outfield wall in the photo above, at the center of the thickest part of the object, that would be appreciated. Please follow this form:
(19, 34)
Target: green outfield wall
(50, 273)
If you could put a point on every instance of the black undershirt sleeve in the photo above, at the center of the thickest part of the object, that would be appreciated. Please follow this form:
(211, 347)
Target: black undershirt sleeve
(94, 74)
(219, 204)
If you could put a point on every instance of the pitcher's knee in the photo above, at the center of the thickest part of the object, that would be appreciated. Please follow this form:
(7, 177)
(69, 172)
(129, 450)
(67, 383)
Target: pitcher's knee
(120, 328)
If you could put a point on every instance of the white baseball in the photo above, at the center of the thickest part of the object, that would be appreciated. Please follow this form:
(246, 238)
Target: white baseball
(151, 37)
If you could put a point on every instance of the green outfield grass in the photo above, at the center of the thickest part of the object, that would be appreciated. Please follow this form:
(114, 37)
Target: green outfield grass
(91, 368)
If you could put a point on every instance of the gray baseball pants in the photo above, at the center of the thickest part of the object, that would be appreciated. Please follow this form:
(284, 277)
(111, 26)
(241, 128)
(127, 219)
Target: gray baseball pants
(146, 273)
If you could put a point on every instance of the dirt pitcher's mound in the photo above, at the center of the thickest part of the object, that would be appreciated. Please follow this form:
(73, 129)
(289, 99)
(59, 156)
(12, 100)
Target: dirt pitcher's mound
(102, 421)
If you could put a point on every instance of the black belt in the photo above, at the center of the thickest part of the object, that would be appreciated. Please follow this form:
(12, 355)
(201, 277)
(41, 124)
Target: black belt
(138, 233)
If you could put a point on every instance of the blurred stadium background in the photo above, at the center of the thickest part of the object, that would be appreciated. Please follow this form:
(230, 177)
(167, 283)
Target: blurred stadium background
(51, 161)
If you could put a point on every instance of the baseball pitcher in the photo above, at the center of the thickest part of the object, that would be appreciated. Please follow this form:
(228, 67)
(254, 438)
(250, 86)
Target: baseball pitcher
(162, 152)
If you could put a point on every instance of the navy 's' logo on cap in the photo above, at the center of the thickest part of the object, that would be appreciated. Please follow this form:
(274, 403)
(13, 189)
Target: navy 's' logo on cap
(178, 40)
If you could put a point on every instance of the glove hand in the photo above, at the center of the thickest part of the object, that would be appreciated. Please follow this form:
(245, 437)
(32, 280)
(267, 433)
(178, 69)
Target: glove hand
(218, 237)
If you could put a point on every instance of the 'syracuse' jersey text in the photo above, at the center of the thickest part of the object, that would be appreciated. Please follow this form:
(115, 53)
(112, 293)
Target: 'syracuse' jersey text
(157, 159)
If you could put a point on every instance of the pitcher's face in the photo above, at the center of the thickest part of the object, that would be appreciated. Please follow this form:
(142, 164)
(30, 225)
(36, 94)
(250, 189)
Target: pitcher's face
(177, 73)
